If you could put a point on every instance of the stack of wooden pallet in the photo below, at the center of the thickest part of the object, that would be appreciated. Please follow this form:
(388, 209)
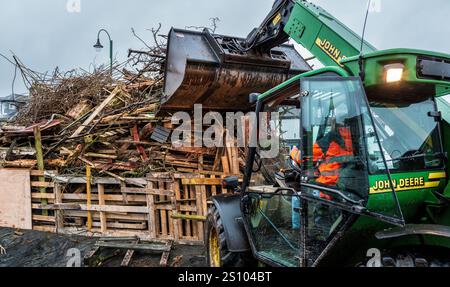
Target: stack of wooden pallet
(168, 206)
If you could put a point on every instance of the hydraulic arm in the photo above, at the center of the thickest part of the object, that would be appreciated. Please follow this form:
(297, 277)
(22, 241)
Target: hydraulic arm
(220, 72)
(329, 40)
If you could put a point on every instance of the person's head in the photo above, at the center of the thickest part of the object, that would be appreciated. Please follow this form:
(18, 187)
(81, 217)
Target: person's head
(332, 123)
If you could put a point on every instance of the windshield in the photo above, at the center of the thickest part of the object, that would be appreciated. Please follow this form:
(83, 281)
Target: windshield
(332, 126)
(409, 137)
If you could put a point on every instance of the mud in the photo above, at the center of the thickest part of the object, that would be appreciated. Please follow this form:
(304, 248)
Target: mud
(25, 248)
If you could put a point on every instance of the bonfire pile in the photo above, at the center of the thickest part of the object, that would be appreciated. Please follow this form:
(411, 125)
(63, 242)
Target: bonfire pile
(105, 120)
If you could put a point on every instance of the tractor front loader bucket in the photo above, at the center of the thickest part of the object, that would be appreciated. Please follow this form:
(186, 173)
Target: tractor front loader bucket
(207, 69)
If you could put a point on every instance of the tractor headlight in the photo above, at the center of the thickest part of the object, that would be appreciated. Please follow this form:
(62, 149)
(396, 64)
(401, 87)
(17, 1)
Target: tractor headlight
(394, 72)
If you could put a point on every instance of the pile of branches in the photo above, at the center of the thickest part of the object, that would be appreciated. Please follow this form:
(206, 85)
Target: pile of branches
(62, 92)
(96, 118)
(102, 119)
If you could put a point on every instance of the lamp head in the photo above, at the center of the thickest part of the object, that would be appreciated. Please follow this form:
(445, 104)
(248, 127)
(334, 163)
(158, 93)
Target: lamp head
(98, 46)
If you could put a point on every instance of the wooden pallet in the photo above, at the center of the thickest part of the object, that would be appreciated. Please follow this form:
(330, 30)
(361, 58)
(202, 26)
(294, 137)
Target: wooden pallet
(170, 207)
(43, 192)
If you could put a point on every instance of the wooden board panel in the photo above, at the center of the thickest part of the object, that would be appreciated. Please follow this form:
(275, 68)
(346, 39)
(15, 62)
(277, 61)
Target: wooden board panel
(15, 198)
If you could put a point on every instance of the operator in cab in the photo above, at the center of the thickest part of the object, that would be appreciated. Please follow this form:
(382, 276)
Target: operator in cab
(331, 152)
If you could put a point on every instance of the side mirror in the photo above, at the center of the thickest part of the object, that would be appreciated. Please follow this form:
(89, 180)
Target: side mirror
(231, 183)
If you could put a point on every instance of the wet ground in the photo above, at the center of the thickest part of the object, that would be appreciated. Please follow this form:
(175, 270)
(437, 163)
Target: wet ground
(25, 248)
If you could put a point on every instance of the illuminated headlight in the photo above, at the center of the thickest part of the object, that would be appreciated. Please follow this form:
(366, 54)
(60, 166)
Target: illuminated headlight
(394, 72)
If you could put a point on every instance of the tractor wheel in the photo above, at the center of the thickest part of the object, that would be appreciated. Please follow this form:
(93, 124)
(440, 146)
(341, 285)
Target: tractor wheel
(217, 253)
(411, 259)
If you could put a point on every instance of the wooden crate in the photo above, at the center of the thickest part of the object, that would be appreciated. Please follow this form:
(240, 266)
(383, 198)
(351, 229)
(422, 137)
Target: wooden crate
(114, 207)
(44, 192)
(195, 191)
(168, 206)
(160, 199)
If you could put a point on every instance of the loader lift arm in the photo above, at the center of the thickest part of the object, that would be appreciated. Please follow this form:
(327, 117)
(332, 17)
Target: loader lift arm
(328, 39)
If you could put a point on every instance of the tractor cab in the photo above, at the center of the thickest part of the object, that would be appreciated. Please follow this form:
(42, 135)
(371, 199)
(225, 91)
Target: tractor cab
(351, 154)
(297, 204)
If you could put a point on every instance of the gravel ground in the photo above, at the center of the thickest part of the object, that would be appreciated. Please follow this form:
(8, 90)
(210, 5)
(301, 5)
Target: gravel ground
(25, 248)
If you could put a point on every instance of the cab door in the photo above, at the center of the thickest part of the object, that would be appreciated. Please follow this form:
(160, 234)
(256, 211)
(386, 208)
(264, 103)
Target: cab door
(294, 218)
(336, 125)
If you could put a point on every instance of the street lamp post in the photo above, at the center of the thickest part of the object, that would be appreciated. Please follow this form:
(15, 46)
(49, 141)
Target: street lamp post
(99, 46)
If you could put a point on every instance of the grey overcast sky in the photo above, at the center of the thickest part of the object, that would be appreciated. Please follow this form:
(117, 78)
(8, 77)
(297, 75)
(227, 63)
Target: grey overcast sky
(44, 34)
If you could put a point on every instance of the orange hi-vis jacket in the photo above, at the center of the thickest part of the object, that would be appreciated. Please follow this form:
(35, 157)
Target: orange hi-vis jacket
(331, 152)
(296, 155)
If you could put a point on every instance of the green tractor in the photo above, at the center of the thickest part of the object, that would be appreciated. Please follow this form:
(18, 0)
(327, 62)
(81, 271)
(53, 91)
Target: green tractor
(369, 184)
(389, 205)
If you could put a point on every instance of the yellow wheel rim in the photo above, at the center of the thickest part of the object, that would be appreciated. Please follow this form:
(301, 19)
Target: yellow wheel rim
(214, 250)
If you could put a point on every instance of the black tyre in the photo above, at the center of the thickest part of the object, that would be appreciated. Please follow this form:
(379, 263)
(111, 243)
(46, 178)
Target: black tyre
(217, 253)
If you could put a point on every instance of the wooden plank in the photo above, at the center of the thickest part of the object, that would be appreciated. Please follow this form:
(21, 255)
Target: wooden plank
(106, 197)
(151, 212)
(40, 164)
(96, 112)
(15, 199)
(188, 208)
(135, 190)
(140, 149)
(111, 216)
(59, 214)
(123, 187)
(103, 180)
(42, 184)
(37, 172)
(187, 223)
(189, 217)
(95, 232)
(163, 213)
(235, 160)
(98, 155)
(166, 207)
(60, 206)
(160, 192)
(44, 228)
(134, 246)
(214, 187)
(225, 165)
(37, 195)
(44, 218)
(121, 179)
(31, 163)
(137, 226)
(115, 208)
(204, 200)
(176, 228)
(101, 202)
(202, 181)
(88, 193)
(90, 254)
(216, 164)
(197, 172)
(165, 256)
(198, 194)
(171, 221)
(127, 258)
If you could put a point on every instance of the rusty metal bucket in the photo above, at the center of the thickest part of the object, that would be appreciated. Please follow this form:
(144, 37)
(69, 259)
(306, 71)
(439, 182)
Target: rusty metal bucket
(202, 68)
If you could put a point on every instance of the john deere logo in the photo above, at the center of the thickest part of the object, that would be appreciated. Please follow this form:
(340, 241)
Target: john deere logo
(331, 50)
